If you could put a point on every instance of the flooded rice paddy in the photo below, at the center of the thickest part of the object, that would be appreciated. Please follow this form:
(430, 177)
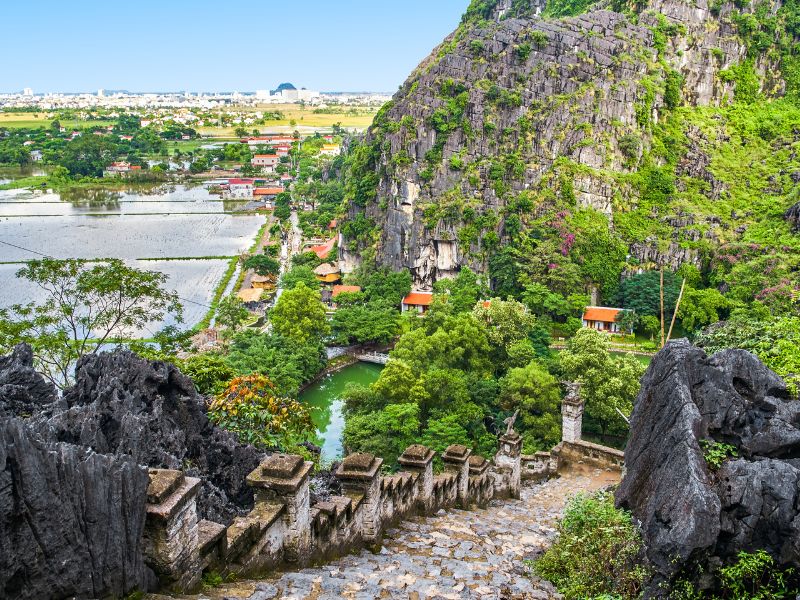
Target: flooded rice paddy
(183, 232)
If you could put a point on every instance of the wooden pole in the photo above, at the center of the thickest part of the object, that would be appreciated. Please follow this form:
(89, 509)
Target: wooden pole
(662, 306)
(677, 306)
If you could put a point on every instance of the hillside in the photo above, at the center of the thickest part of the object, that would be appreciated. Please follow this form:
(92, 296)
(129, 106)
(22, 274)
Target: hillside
(566, 146)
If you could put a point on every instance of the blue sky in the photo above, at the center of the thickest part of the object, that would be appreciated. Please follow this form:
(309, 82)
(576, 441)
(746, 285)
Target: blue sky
(220, 45)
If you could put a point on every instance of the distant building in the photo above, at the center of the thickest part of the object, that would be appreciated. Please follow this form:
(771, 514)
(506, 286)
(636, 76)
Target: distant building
(328, 273)
(330, 150)
(269, 140)
(602, 318)
(238, 189)
(36, 155)
(323, 250)
(266, 162)
(418, 302)
(27, 92)
(121, 169)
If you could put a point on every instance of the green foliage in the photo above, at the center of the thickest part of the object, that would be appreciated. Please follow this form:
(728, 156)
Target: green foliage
(716, 453)
(300, 274)
(365, 322)
(672, 89)
(755, 576)
(642, 293)
(596, 551)
(287, 363)
(385, 433)
(566, 8)
(299, 315)
(231, 313)
(262, 264)
(464, 291)
(209, 371)
(86, 305)
(537, 395)
(608, 383)
(251, 408)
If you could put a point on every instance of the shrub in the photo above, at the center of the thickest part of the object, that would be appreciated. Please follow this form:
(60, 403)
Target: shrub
(251, 408)
(629, 145)
(595, 552)
(717, 453)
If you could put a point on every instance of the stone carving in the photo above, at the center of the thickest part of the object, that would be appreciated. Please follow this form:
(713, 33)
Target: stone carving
(509, 421)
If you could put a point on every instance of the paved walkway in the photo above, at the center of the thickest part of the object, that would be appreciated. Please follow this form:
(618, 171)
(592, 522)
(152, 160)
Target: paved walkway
(454, 554)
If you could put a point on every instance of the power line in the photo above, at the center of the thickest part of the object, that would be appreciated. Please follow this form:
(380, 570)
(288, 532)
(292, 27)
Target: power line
(50, 257)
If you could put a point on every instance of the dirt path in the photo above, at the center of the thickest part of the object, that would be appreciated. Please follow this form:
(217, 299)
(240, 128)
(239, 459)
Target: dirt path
(455, 554)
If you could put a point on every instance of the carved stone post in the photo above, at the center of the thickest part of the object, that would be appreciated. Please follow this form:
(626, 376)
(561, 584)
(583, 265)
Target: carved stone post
(572, 414)
(482, 490)
(509, 462)
(283, 478)
(456, 460)
(171, 543)
(360, 475)
(418, 459)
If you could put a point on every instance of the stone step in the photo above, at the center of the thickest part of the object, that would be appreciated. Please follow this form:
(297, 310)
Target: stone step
(163, 483)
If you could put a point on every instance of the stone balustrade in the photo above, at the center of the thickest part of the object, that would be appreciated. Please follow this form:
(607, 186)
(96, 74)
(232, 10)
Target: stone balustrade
(285, 530)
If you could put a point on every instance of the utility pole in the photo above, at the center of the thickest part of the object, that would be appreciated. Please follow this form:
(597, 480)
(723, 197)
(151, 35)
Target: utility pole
(677, 306)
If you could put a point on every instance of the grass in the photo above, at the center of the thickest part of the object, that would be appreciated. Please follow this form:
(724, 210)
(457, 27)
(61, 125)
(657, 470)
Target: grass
(13, 120)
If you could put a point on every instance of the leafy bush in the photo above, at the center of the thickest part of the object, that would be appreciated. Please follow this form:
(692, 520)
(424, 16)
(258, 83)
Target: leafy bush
(596, 551)
(716, 453)
(251, 408)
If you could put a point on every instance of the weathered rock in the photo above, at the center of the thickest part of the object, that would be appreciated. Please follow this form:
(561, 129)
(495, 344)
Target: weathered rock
(23, 391)
(689, 514)
(71, 521)
(793, 216)
(122, 404)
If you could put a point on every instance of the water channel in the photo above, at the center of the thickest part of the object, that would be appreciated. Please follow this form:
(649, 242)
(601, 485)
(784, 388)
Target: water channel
(325, 400)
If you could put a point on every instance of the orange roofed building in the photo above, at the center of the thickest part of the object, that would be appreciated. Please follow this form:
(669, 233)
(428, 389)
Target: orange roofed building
(418, 302)
(602, 318)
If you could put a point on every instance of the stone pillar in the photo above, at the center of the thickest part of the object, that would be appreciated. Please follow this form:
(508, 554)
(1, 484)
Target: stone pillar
(456, 460)
(171, 541)
(418, 459)
(360, 475)
(509, 462)
(479, 479)
(283, 478)
(572, 413)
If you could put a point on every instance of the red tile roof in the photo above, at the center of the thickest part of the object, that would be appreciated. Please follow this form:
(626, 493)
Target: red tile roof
(345, 289)
(601, 313)
(267, 191)
(419, 299)
(323, 250)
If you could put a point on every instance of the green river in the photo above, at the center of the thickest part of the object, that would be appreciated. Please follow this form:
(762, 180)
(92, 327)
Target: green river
(325, 400)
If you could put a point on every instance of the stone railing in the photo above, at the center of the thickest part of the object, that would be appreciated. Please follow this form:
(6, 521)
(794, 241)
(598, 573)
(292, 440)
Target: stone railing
(284, 529)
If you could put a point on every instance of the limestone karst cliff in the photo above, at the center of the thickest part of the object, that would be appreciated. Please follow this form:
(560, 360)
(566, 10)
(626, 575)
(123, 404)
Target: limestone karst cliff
(635, 120)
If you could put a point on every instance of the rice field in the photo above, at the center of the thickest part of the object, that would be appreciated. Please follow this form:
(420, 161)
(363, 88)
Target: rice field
(182, 232)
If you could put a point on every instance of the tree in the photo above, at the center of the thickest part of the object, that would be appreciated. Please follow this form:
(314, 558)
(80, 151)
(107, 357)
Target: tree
(300, 315)
(463, 291)
(300, 274)
(650, 324)
(262, 264)
(607, 382)
(86, 305)
(241, 132)
(701, 307)
(231, 313)
(251, 408)
(363, 323)
(209, 371)
(507, 322)
(385, 433)
(642, 293)
(536, 394)
(627, 320)
(88, 155)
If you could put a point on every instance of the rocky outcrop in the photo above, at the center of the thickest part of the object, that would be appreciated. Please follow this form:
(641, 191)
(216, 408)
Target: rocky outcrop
(71, 520)
(122, 404)
(793, 216)
(515, 103)
(23, 391)
(691, 515)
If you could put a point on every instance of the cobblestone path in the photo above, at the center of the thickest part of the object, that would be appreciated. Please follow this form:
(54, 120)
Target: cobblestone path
(454, 554)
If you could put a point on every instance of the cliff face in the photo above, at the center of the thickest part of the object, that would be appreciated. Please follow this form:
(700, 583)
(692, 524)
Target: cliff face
(516, 119)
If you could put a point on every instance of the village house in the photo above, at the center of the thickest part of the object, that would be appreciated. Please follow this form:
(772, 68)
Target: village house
(266, 162)
(323, 250)
(250, 295)
(344, 289)
(269, 140)
(238, 189)
(263, 282)
(36, 155)
(602, 318)
(418, 302)
(330, 150)
(121, 169)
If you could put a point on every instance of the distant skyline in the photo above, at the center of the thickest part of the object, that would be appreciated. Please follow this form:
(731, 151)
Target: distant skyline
(205, 46)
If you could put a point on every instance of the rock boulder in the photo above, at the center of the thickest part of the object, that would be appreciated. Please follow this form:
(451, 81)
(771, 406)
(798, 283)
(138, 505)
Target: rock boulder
(689, 514)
